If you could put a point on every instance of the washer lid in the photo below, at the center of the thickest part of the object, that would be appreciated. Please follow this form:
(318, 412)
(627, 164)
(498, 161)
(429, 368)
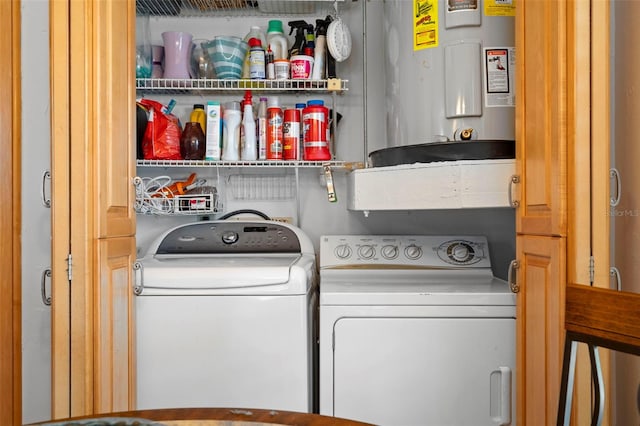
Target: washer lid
(232, 274)
(411, 288)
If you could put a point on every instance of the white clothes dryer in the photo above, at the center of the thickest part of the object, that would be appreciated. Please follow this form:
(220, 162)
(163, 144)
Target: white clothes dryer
(415, 330)
(225, 317)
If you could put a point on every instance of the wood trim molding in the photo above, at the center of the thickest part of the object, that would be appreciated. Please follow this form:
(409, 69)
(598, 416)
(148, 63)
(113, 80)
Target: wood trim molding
(10, 218)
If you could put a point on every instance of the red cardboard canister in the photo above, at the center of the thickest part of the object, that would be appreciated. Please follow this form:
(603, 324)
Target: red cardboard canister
(315, 131)
(291, 131)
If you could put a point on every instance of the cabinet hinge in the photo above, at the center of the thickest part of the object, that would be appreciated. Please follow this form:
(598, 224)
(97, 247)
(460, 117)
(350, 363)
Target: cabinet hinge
(69, 270)
(592, 270)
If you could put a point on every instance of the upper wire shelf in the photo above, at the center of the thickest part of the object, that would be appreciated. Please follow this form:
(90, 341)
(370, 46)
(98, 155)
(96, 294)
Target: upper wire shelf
(171, 85)
(204, 8)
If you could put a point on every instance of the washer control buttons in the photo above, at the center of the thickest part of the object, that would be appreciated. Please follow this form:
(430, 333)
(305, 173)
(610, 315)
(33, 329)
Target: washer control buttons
(229, 237)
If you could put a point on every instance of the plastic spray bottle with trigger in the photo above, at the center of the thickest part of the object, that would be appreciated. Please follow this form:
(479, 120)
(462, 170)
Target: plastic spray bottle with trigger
(249, 147)
(298, 45)
(318, 71)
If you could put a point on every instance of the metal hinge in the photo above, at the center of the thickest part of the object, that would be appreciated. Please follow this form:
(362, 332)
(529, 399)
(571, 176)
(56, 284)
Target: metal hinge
(69, 271)
(592, 270)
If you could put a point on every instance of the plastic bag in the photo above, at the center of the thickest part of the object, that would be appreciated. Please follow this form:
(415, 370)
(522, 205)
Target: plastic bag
(161, 140)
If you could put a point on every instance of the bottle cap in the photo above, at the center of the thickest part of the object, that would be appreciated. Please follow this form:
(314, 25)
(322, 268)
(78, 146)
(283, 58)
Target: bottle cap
(301, 105)
(315, 102)
(233, 105)
(196, 106)
(273, 101)
(275, 25)
(254, 42)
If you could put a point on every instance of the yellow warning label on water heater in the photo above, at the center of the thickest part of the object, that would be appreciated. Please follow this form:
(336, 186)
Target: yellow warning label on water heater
(425, 24)
(500, 7)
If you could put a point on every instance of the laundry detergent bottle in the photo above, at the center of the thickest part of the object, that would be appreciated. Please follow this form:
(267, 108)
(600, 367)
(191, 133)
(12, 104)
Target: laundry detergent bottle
(276, 40)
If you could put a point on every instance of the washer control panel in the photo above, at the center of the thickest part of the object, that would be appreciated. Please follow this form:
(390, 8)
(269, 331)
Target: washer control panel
(230, 237)
(420, 251)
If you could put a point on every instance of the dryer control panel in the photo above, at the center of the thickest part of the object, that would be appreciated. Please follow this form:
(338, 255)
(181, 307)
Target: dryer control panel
(402, 251)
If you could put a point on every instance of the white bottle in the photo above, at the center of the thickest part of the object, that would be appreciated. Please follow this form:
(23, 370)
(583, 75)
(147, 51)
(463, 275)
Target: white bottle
(262, 129)
(277, 41)
(318, 61)
(254, 32)
(231, 119)
(249, 148)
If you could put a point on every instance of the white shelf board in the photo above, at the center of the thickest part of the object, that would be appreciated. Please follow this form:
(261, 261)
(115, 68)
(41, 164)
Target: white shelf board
(429, 186)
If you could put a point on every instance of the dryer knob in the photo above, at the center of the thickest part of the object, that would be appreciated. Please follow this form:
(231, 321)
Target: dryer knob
(229, 237)
(343, 251)
(413, 252)
(366, 251)
(389, 251)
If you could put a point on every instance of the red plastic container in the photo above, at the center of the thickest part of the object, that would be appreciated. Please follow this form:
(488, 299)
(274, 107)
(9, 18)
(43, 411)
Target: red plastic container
(291, 131)
(315, 131)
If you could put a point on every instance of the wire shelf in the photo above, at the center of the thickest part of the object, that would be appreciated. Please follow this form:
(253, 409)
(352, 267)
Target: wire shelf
(204, 8)
(348, 165)
(171, 85)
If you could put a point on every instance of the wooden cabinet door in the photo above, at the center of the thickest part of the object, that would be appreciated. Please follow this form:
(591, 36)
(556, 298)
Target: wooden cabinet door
(114, 351)
(92, 51)
(10, 217)
(540, 327)
(541, 65)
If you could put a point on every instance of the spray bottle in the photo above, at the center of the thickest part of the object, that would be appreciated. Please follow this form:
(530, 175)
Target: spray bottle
(249, 148)
(318, 72)
(298, 45)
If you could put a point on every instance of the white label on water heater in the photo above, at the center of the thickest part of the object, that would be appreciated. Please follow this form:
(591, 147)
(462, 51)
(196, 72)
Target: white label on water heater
(499, 68)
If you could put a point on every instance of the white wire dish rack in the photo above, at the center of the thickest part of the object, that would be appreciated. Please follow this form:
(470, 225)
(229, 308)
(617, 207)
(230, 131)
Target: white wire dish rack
(163, 195)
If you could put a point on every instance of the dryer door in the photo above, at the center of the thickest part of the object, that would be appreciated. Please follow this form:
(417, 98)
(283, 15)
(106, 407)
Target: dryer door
(417, 371)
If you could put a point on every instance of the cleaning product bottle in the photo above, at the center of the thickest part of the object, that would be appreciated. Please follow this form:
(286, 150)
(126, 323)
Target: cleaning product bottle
(269, 65)
(254, 32)
(262, 129)
(274, 129)
(249, 148)
(256, 60)
(320, 50)
(199, 116)
(276, 40)
(315, 120)
(231, 118)
(300, 40)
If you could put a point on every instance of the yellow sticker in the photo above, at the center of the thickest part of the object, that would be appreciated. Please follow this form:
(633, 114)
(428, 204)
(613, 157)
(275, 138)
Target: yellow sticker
(500, 7)
(425, 24)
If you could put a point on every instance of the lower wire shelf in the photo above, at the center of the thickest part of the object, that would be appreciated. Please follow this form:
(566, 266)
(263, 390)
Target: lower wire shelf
(348, 165)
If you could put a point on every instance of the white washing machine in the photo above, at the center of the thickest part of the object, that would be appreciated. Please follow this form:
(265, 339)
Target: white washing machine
(415, 330)
(225, 317)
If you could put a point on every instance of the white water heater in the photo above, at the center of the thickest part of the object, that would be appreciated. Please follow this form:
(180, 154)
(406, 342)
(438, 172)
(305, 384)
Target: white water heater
(450, 70)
